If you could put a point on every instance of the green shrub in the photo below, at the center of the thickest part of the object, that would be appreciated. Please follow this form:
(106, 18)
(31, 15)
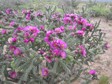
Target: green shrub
(104, 80)
(47, 47)
(109, 15)
(38, 4)
(14, 4)
(99, 10)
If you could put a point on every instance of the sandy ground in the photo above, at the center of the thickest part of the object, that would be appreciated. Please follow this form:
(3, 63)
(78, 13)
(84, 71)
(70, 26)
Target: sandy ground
(103, 64)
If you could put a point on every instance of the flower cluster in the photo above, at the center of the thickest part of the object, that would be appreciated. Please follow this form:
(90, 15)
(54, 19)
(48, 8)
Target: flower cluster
(37, 42)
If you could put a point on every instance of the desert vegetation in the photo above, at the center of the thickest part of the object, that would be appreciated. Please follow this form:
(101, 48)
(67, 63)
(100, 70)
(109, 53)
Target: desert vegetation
(53, 42)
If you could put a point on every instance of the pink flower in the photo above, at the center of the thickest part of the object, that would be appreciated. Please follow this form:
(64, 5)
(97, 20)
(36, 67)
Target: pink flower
(12, 23)
(56, 52)
(62, 45)
(32, 39)
(26, 40)
(39, 14)
(106, 45)
(62, 28)
(12, 48)
(58, 44)
(80, 32)
(90, 26)
(47, 39)
(58, 30)
(92, 72)
(24, 11)
(28, 16)
(48, 59)
(13, 74)
(83, 50)
(26, 34)
(60, 53)
(63, 54)
(41, 52)
(83, 29)
(32, 29)
(84, 21)
(48, 33)
(66, 20)
(30, 33)
(72, 27)
(14, 39)
(8, 11)
(42, 27)
(45, 72)
(4, 31)
(17, 51)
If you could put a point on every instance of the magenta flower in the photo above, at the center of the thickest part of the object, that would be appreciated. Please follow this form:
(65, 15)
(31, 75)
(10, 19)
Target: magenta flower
(41, 52)
(83, 50)
(48, 59)
(56, 17)
(12, 48)
(32, 39)
(45, 72)
(62, 44)
(72, 15)
(72, 27)
(48, 33)
(17, 52)
(26, 34)
(90, 26)
(58, 44)
(63, 54)
(42, 27)
(24, 11)
(39, 14)
(84, 21)
(106, 45)
(67, 20)
(31, 31)
(60, 53)
(62, 28)
(26, 40)
(13, 74)
(92, 72)
(83, 29)
(14, 39)
(4, 31)
(8, 11)
(58, 30)
(56, 52)
(12, 23)
(80, 32)
(47, 39)
(28, 16)
(19, 29)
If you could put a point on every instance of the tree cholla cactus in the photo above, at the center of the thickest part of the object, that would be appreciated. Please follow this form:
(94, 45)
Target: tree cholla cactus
(46, 47)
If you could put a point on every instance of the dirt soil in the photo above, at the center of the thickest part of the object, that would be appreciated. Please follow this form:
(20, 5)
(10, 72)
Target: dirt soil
(103, 64)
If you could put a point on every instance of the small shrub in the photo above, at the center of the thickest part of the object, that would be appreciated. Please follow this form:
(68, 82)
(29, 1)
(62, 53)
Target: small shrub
(109, 14)
(99, 10)
(14, 4)
(104, 80)
(46, 47)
